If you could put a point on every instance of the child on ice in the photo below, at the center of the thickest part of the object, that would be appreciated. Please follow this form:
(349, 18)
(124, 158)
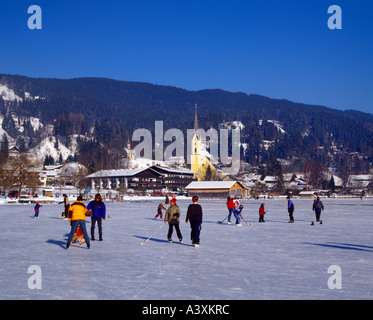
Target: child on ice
(237, 214)
(36, 209)
(159, 211)
(261, 213)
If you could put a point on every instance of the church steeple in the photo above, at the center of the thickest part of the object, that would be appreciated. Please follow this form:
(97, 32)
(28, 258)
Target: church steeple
(195, 118)
(199, 163)
(196, 164)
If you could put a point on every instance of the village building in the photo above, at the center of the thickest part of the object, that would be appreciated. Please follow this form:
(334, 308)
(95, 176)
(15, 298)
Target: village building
(215, 189)
(360, 184)
(154, 178)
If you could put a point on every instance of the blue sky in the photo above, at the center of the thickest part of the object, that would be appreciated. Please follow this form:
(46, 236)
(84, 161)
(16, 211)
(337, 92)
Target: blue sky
(280, 49)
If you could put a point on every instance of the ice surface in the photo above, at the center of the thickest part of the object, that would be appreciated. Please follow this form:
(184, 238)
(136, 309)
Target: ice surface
(271, 260)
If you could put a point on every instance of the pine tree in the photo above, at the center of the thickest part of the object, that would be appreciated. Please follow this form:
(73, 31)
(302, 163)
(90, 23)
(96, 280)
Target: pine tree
(4, 149)
(331, 185)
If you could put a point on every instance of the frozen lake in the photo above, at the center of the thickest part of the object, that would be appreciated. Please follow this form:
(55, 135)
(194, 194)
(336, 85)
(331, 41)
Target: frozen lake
(271, 260)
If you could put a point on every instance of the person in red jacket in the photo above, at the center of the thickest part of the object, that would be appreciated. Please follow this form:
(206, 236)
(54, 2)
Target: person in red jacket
(262, 212)
(231, 207)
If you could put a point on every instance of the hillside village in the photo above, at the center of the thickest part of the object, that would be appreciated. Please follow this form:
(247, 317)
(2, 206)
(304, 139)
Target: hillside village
(146, 177)
(149, 179)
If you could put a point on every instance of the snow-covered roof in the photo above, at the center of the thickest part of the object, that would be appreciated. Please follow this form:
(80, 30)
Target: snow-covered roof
(133, 172)
(270, 179)
(116, 173)
(210, 185)
(361, 177)
(174, 170)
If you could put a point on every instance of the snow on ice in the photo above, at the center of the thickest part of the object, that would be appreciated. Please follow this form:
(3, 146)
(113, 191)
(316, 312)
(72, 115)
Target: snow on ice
(271, 260)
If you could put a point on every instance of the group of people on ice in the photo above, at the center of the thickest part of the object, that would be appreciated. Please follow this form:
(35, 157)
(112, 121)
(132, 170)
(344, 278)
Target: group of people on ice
(235, 208)
(77, 214)
(194, 215)
(172, 216)
(317, 207)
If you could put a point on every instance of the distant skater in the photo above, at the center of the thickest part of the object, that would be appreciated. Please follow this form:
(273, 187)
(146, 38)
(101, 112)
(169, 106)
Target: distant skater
(237, 215)
(262, 212)
(231, 206)
(317, 207)
(290, 210)
(159, 211)
(167, 201)
(66, 204)
(194, 215)
(37, 209)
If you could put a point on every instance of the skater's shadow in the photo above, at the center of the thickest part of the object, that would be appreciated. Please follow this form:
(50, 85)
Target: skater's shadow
(151, 239)
(344, 246)
(163, 241)
(59, 243)
(161, 220)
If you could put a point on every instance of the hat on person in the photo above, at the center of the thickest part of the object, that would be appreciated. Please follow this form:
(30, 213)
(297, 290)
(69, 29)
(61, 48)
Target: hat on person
(173, 200)
(195, 199)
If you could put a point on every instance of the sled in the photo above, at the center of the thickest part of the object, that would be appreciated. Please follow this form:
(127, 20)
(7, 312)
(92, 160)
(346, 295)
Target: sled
(78, 236)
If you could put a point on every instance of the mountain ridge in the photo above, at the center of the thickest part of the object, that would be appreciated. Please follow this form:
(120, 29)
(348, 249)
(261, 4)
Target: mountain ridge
(108, 111)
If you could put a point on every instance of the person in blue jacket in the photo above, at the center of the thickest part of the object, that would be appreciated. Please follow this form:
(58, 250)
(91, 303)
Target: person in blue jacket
(290, 209)
(98, 209)
(237, 215)
(37, 209)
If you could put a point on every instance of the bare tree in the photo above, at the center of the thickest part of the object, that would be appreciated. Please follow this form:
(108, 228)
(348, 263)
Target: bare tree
(314, 173)
(19, 172)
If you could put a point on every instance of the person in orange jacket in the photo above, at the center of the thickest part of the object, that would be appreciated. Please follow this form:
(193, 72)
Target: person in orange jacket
(77, 216)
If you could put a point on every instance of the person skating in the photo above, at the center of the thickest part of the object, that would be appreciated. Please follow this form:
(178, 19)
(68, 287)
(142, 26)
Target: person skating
(262, 212)
(98, 209)
(290, 210)
(159, 211)
(194, 215)
(77, 217)
(37, 209)
(237, 214)
(167, 201)
(317, 207)
(66, 204)
(231, 207)
(172, 216)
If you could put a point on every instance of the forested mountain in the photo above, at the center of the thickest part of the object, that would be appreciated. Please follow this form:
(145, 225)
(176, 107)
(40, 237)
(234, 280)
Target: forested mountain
(101, 115)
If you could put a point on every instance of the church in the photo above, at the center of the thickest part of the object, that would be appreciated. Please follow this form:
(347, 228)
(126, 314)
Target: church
(200, 164)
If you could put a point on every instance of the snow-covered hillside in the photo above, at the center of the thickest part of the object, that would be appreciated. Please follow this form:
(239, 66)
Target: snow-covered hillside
(48, 146)
(8, 94)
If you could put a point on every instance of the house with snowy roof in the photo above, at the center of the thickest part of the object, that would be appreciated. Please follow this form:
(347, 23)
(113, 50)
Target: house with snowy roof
(215, 189)
(360, 184)
(153, 178)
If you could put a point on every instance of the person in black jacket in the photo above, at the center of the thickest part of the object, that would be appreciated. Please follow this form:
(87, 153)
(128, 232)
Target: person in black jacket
(317, 207)
(290, 210)
(194, 215)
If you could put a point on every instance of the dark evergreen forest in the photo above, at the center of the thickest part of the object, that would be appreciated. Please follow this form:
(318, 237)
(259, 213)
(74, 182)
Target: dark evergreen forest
(107, 112)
